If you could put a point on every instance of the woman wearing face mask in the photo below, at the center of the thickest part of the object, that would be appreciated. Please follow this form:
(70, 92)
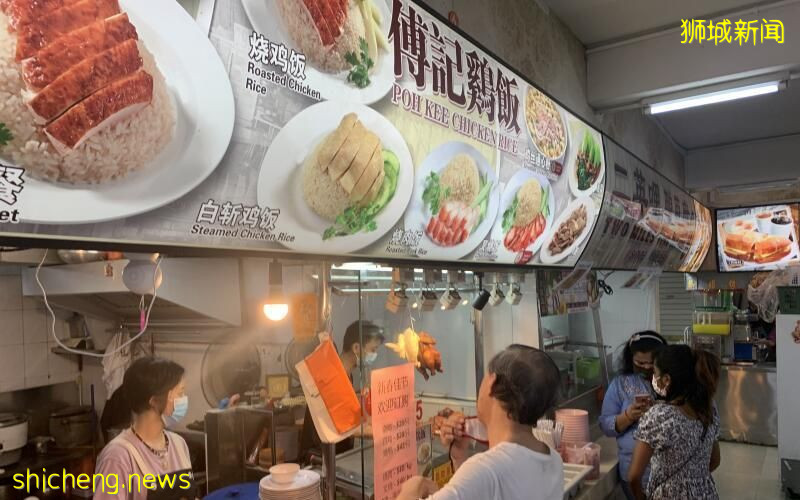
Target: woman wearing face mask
(522, 384)
(629, 396)
(359, 347)
(153, 388)
(679, 438)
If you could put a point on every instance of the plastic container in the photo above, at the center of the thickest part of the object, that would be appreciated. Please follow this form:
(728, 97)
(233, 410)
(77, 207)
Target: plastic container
(711, 323)
(588, 368)
(574, 453)
(591, 457)
(713, 300)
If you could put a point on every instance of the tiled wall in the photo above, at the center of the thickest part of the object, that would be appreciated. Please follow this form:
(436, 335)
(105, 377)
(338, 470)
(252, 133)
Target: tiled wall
(26, 359)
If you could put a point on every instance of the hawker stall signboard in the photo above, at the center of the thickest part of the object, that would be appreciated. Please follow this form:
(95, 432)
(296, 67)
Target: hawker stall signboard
(647, 222)
(342, 127)
(758, 238)
(394, 427)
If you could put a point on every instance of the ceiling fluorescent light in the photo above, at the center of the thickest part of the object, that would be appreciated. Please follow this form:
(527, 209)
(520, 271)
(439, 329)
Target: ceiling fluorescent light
(714, 97)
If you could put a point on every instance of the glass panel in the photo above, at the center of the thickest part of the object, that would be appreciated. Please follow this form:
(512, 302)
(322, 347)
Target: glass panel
(437, 306)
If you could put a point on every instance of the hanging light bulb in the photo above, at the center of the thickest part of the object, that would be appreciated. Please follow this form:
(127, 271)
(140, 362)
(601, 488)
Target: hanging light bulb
(276, 307)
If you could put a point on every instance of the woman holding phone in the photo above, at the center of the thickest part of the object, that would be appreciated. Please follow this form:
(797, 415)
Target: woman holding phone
(629, 396)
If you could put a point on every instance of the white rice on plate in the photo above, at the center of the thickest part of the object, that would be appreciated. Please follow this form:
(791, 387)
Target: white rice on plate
(111, 153)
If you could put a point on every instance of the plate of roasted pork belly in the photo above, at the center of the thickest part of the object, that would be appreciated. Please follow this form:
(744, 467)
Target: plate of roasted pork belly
(112, 107)
(345, 43)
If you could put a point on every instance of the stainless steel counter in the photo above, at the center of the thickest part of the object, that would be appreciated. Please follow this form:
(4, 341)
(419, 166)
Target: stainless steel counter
(747, 399)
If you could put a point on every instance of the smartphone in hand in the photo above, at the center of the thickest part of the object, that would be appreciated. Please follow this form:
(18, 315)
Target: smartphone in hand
(644, 399)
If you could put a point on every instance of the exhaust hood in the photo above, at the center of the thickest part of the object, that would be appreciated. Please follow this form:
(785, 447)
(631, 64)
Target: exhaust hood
(194, 291)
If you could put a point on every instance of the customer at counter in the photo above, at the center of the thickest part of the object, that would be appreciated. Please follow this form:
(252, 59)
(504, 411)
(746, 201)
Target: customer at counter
(629, 396)
(152, 388)
(361, 342)
(521, 386)
(679, 438)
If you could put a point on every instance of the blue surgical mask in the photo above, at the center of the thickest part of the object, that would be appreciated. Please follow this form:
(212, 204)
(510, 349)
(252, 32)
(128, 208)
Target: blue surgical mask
(370, 358)
(180, 407)
(169, 421)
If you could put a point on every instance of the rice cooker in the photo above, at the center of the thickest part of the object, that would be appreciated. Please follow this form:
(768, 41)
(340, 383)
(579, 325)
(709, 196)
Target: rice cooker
(13, 436)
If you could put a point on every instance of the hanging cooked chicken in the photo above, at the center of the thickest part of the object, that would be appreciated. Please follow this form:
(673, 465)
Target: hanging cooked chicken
(420, 349)
(430, 359)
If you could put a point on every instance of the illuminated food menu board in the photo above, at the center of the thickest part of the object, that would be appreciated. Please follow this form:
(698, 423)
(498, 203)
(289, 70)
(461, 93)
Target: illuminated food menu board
(758, 238)
(368, 128)
(646, 221)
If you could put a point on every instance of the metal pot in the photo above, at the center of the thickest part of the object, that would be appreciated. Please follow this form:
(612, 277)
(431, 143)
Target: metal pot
(72, 426)
(13, 436)
(80, 256)
(42, 444)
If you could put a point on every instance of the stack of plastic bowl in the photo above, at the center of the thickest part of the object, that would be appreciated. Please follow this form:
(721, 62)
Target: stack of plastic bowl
(576, 426)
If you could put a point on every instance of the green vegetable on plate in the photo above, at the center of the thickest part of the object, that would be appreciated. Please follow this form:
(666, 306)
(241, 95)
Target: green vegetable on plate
(588, 162)
(433, 195)
(362, 63)
(5, 135)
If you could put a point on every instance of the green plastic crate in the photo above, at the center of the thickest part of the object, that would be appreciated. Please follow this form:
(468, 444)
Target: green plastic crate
(588, 368)
(789, 299)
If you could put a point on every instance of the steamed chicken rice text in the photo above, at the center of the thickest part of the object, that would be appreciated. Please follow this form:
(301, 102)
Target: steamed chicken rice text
(80, 93)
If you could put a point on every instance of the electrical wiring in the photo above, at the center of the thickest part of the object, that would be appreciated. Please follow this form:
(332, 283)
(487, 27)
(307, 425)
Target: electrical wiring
(88, 353)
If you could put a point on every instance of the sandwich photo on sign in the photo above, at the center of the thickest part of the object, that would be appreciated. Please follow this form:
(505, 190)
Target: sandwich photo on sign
(758, 238)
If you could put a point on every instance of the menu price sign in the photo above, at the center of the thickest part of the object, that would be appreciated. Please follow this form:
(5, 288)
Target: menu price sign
(415, 144)
(758, 238)
(394, 429)
(646, 220)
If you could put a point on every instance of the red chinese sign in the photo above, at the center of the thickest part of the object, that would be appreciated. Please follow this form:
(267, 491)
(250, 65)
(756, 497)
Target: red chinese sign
(394, 429)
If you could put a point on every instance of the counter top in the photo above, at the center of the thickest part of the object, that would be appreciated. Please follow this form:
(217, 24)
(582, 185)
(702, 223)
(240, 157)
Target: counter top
(35, 463)
(602, 488)
(758, 367)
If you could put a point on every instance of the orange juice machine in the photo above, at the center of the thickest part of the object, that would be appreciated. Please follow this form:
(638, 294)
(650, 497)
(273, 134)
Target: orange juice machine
(712, 322)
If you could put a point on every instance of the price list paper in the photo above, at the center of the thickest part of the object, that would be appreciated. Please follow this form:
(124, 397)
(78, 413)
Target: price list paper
(394, 429)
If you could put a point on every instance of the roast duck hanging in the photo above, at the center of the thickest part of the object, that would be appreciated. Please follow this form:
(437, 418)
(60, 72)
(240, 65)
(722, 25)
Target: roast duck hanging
(420, 349)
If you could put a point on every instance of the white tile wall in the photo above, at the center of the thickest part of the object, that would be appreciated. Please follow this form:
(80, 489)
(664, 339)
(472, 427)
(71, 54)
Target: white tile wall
(35, 326)
(11, 332)
(12, 368)
(10, 293)
(36, 359)
(26, 359)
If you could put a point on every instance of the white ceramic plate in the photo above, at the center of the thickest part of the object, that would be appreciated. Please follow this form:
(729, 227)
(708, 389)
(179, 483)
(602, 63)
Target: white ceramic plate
(203, 129)
(418, 216)
(503, 254)
(305, 479)
(280, 181)
(579, 129)
(266, 19)
(591, 215)
(532, 136)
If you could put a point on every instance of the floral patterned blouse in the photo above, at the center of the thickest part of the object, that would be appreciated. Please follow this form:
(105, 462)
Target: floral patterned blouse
(679, 467)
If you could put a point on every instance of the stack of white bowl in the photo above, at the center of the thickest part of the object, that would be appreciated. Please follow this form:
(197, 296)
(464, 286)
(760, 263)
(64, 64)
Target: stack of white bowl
(288, 482)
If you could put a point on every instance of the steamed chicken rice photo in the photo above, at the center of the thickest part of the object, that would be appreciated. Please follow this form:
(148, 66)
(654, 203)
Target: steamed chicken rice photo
(457, 200)
(349, 178)
(81, 98)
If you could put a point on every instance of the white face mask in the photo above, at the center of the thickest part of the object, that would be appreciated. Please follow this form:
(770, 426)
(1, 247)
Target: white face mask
(370, 358)
(658, 390)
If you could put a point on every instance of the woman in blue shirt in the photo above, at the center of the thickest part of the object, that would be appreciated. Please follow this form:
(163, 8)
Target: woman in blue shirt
(621, 407)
